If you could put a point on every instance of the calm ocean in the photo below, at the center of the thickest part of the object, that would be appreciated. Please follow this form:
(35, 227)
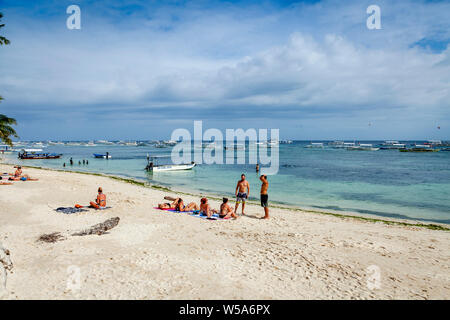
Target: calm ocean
(385, 182)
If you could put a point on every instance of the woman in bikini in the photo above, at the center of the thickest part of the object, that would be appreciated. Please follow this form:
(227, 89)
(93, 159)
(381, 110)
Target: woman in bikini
(226, 211)
(178, 205)
(205, 208)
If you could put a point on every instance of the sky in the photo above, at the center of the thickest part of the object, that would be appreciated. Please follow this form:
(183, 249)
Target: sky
(141, 69)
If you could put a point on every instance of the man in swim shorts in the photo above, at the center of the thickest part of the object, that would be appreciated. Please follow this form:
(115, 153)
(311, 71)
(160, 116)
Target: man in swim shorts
(265, 196)
(242, 192)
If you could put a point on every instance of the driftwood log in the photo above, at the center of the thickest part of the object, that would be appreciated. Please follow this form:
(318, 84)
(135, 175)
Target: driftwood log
(5, 266)
(98, 229)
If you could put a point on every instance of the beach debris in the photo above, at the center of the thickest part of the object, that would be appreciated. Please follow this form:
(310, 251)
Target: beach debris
(100, 228)
(51, 237)
(5, 265)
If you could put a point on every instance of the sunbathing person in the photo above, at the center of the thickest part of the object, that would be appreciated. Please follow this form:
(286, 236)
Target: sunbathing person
(205, 208)
(182, 208)
(169, 205)
(100, 202)
(18, 175)
(4, 183)
(226, 211)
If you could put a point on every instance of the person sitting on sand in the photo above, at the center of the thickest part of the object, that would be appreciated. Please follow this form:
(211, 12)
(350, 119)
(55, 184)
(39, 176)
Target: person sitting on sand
(18, 175)
(226, 211)
(205, 208)
(182, 208)
(100, 202)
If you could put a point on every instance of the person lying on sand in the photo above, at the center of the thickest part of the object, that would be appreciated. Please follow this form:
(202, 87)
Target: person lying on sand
(4, 183)
(100, 202)
(177, 205)
(169, 205)
(182, 208)
(226, 211)
(205, 208)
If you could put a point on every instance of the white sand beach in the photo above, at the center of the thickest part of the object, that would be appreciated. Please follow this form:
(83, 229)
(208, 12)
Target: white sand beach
(153, 254)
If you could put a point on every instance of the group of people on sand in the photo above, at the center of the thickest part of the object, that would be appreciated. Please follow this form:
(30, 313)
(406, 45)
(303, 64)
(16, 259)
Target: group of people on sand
(225, 211)
(18, 175)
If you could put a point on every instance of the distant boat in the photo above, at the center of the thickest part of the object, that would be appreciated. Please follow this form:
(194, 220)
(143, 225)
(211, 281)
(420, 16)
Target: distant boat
(363, 147)
(102, 156)
(170, 142)
(392, 145)
(315, 145)
(105, 142)
(420, 148)
(5, 149)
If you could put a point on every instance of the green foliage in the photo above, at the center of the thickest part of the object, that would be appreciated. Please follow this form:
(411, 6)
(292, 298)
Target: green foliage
(3, 40)
(6, 131)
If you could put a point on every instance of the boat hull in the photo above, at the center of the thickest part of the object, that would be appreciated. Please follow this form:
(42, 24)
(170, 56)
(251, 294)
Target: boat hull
(175, 167)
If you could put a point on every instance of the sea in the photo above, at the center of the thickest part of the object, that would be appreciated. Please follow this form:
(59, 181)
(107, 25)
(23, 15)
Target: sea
(384, 183)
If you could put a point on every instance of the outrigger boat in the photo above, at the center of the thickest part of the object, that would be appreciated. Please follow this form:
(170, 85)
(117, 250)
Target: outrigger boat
(153, 167)
(392, 145)
(33, 154)
(420, 148)
(363, 147)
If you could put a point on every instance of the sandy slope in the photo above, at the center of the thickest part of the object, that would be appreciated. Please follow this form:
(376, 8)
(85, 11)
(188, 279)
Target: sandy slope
(153, 254)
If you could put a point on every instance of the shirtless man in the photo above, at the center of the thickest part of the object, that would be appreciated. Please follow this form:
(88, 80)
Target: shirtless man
(242, 192)
(264, 196)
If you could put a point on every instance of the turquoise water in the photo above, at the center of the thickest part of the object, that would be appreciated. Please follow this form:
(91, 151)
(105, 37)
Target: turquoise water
(385, 183)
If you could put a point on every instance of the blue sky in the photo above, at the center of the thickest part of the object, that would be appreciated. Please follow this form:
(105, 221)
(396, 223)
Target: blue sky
(140, 69)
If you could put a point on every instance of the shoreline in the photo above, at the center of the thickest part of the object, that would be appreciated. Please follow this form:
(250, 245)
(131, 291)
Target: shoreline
(432, 225)
(155, 254)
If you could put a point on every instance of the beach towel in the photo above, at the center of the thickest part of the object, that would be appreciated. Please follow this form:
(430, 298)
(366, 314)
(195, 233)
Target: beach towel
(78, 206)
(194, 213)
(173, 210)
(215, 216)
(69, 210)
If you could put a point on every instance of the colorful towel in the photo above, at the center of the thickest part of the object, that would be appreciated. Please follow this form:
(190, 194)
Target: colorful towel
(69, 210)
(194, 213)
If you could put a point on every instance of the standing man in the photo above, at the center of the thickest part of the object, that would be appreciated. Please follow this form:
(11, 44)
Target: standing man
(242, 192)
(264, 196)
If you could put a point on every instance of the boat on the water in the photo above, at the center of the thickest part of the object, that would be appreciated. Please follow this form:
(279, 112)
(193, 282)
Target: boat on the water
(102, 156)
(420, 148)
(392, 145)
(5, 149)
(152, 165)
(315, 145)
(363, 147)
(34, 154)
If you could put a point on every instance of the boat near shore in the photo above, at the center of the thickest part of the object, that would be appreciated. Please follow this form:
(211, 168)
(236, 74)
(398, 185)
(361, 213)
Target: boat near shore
(35, 154)
(153, 166)
(102, 156)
